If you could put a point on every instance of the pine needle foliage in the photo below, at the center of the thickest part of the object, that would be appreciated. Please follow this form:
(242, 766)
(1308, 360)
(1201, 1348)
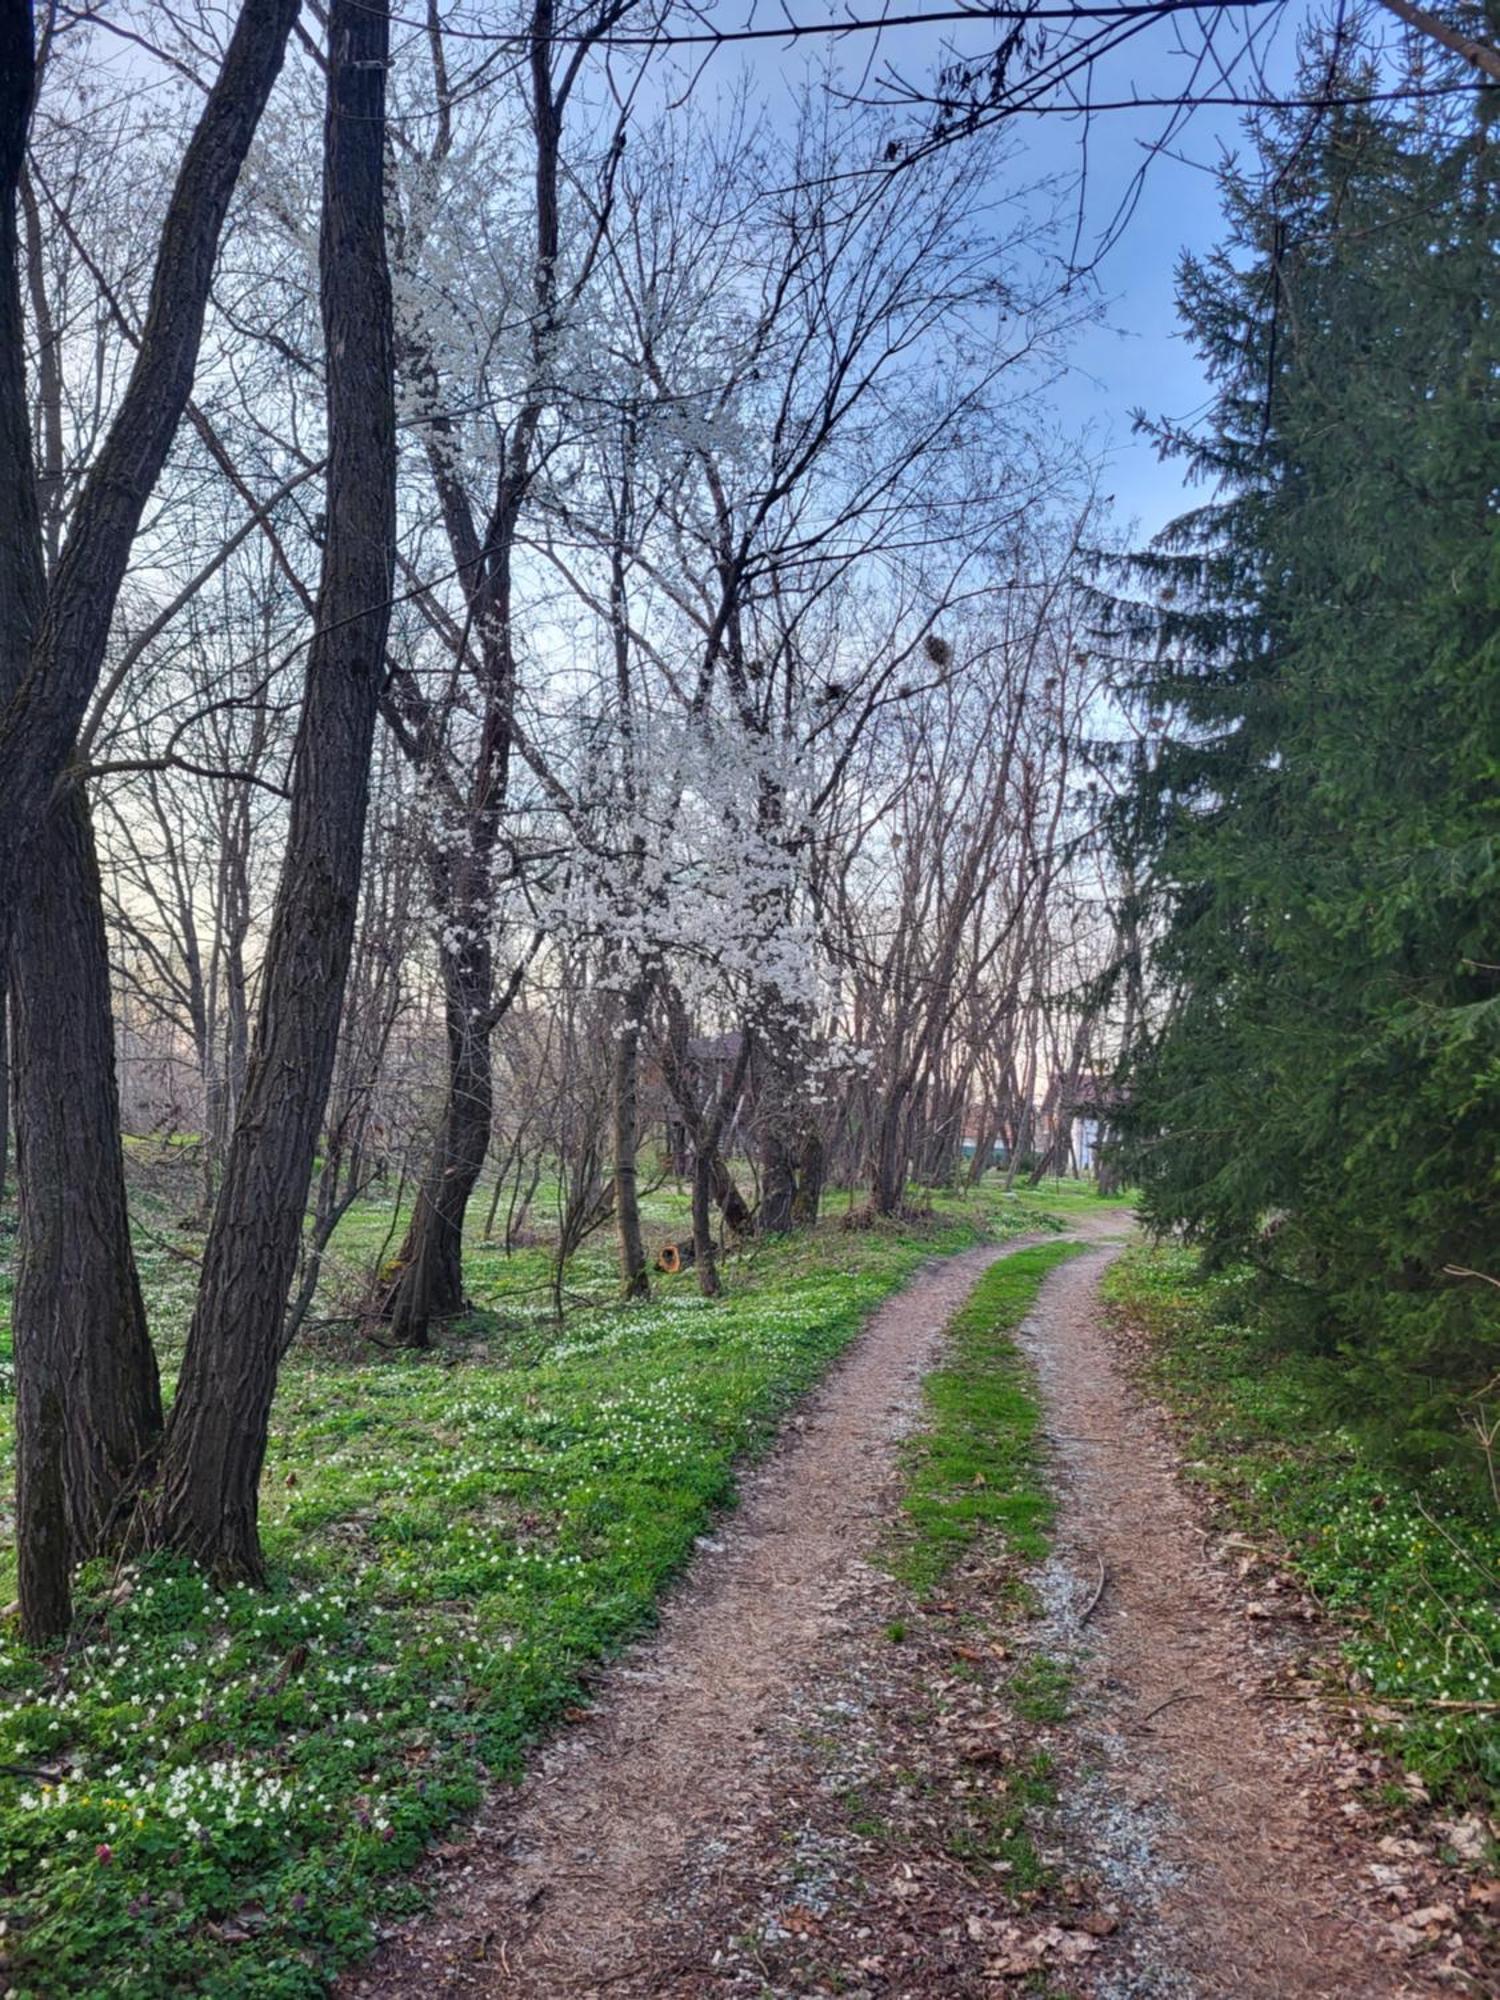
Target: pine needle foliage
(1317, 809)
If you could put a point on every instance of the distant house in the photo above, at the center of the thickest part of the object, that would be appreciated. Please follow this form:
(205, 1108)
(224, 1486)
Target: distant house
(1090, 1103)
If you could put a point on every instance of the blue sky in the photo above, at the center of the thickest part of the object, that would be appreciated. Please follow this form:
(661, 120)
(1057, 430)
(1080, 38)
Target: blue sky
(1137, 358)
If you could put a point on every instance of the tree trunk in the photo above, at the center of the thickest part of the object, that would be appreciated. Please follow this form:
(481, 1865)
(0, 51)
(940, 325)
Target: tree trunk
(812, 1168)
(52, 641)
(206, 1502)
(738, 1215)
(430, 1280)
(21, 560)
(90, 1402)
(1108, 1175)
(704, 1121)
(4, 1083)
(709, 1170)
(1025, 1122)
(888, 1178)
(627, 1142)
(778, 1184)
(984, 1149)
(44, 1557)
(704, 1259)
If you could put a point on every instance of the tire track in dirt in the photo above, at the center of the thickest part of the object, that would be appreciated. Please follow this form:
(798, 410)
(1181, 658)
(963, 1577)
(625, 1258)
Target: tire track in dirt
(1201, 1812)
(554, 1894)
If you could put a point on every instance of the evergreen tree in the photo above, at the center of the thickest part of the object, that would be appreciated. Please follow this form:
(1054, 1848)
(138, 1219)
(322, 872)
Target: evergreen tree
(1321, 817)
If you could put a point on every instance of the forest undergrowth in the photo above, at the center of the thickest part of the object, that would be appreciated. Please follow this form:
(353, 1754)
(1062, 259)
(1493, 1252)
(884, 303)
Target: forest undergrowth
(220, 1790)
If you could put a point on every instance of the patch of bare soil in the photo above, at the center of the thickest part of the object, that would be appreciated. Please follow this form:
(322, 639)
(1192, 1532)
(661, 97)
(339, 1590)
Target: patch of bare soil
(1235, 1829)
(559, 1888)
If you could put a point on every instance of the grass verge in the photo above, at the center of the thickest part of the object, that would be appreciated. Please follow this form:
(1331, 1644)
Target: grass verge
(975, 1466)
(1409, 1574)
(974, 1480)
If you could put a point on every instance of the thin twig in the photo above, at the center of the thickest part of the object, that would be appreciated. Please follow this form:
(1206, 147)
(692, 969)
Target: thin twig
(1093, 1604)
(1182, 1694)
(165, 1243)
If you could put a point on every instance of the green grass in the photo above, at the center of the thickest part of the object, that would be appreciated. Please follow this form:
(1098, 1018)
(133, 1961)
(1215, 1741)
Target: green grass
(975, 1466)
(973, 1475)
(1410, 1573)
(1061, 1196)
(456, 1541)
(995, 1829)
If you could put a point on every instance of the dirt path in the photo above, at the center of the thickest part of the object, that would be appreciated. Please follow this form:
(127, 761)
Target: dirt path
(1194, 1800)
(553, 1898)
(762, 1802)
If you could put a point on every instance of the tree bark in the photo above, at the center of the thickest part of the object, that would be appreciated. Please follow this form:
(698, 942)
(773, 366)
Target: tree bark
(430, 1279)
(812, 1170)
(888, 1179)
(21, 565)
(739, 1217)
(44, 1560)
(86, 1384)
(705, 1260)
(206, 1502)
(778, 1182)
(634, 1277)
(709, 1167)
(90, 1419)
(4, 1083)
(703, 1120)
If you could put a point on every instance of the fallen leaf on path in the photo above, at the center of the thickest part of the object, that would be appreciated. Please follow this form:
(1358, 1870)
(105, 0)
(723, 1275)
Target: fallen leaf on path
(1432, 1917)
(1465, 1836)
(1392, 1880)
(1099, 1924)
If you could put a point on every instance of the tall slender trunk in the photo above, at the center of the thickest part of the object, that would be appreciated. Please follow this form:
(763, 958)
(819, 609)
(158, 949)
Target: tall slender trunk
(703, 1122)
(627, 1143)
(21, 559)
(4, 1083)
(705, 1259)
(430, 1279)
(90, 1418)
(1025, 1120)
(206, 1502)
(87, 1390)
(983, 1156)
(739, 1217)
(709, 1167)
